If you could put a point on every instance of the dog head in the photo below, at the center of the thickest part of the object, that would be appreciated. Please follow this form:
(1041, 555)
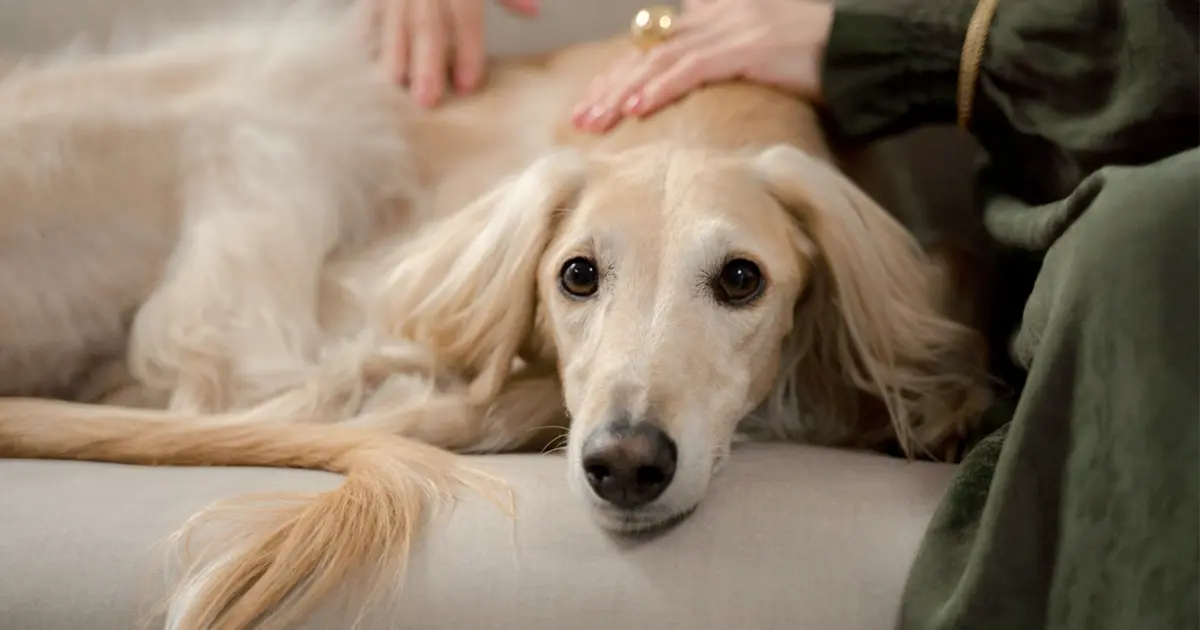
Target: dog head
(680, 292)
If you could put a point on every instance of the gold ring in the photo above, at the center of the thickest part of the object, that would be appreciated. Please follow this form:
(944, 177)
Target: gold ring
(652, 26)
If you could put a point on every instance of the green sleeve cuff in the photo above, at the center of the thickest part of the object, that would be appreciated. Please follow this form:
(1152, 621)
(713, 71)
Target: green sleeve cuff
(888, 69)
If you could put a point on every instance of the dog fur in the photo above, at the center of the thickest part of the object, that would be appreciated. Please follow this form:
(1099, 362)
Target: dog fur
(238, 244)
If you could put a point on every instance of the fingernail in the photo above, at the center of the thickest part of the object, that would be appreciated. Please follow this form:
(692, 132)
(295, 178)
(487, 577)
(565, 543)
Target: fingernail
(591, 118)
(578, 114)
(528, 6)
(633, 104)
(466, 82)
(595, 114)
(584, 116)
(425, 95)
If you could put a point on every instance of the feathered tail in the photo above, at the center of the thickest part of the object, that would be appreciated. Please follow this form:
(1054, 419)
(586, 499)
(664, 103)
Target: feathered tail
(292, 549)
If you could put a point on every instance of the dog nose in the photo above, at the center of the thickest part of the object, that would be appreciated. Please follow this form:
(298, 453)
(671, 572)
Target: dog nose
(629, 464)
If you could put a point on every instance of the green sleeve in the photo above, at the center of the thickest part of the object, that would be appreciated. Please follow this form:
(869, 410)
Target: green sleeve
(1083, 83)
(891, 65)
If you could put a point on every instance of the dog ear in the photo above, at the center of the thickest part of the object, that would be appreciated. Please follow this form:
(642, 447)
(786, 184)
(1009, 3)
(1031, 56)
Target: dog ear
(870, 325)
(466, 287)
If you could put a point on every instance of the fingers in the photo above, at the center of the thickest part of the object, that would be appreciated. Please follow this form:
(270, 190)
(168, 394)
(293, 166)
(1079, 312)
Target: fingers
(528, 8)
(425, 41)
(428, 61)
(394, 47)
(620, 72)
(704, 66)
(466, 17)
(621, 90)
(590, 109)
(648, 82)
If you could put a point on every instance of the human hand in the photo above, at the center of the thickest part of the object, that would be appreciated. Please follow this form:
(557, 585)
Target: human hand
(776, 42)
(426, 43)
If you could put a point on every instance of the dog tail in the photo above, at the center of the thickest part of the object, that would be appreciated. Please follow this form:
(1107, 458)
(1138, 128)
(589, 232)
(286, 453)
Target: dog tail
(295, 548)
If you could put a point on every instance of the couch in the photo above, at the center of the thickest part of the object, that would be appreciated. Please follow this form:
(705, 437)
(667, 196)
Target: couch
(791, 536)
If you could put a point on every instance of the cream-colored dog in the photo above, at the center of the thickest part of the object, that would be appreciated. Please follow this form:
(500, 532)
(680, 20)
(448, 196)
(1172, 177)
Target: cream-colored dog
(239, 245)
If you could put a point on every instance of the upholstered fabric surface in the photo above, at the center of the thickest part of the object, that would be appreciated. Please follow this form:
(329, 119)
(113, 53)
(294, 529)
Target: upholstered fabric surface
(791, 537)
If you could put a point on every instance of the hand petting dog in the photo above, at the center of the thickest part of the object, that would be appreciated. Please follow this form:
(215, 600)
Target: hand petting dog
(426, 44)
(774, 42)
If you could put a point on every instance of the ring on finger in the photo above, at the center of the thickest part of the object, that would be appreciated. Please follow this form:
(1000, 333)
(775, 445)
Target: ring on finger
(652, 26)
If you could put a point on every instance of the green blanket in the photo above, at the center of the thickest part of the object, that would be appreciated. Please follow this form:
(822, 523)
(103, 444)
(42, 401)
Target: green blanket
(1080, 511)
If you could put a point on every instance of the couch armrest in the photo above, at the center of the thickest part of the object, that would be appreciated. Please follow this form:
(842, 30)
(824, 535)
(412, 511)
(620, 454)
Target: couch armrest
(789, 537)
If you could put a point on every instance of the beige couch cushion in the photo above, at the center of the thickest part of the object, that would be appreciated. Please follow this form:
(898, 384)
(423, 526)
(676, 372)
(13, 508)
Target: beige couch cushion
(791, 537)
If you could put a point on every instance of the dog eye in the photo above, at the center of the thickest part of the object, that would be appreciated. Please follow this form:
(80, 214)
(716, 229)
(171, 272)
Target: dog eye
(739, 283)
(579, 277)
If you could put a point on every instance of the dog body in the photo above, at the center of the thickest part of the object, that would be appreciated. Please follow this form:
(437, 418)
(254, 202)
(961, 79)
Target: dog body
(237, 235)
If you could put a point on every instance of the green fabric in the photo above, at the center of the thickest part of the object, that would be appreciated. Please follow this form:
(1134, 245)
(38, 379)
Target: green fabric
(1065, 86)
(892, 64)
(1081, 511)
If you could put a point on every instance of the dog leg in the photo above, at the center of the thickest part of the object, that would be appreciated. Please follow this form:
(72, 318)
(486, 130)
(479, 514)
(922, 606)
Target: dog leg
(399, 388)
(237, 306)
(528, 413)
(235, 320)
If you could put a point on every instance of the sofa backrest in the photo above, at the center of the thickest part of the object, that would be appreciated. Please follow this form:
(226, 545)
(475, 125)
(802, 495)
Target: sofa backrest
(924, 178)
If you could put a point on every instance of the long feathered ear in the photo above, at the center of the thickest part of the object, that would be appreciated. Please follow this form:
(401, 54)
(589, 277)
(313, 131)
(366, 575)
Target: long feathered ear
(871, 323)
(466, 287)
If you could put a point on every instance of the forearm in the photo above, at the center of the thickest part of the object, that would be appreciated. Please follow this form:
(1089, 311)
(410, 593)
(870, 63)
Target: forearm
(1079, 81)
(891, 65)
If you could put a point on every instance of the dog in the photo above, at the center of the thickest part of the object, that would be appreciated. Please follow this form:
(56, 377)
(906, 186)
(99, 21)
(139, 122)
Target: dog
(237, 243)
